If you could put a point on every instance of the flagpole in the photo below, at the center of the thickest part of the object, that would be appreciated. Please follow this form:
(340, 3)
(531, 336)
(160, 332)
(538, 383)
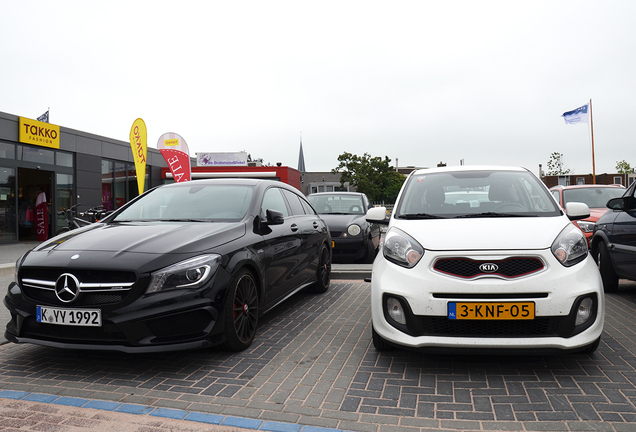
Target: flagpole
(592, 133)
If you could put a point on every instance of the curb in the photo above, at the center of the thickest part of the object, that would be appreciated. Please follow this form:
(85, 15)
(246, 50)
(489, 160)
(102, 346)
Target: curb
(168, 413)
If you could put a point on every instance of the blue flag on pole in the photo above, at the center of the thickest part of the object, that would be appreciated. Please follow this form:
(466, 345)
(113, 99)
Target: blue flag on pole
(579, 115)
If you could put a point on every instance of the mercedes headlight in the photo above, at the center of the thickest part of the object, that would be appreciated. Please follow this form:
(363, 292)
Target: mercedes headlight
(402, 249)
(192, 273)
(570, 246)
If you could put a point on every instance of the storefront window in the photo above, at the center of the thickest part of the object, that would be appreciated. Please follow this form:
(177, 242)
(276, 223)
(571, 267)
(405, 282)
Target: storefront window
(108, 168)
(7, 151)
(36, 154)
(64, 159)
(120, 184)
(64, 195)
(8, 226)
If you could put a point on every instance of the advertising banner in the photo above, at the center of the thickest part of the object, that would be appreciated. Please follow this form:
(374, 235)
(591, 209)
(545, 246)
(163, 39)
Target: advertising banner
(175, 151)
(138, 143)
(41, 217)
(222, 159)
(39, 133)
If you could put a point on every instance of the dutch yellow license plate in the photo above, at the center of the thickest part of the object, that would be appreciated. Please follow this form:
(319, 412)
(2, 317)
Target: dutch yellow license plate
(491, 310)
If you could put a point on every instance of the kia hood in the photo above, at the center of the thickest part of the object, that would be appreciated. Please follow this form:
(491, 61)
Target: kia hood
(502, 233)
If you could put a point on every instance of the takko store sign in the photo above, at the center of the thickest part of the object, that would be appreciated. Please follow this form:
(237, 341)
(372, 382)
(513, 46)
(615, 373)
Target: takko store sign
(39, 133)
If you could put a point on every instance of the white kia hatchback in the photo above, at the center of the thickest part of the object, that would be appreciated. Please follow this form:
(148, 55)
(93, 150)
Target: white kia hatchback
(506, 273)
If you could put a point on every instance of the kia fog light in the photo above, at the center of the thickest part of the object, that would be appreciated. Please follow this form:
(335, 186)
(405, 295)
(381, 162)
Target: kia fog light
(570, 246)
(192, 273)
(353, 230)
(584, 312)
(395, 311)
(401, 249)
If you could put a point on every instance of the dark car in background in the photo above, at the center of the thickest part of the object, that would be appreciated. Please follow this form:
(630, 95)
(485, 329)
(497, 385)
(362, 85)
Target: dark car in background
(596, 198)
(354, 239)
(185, 265)
(614, 240)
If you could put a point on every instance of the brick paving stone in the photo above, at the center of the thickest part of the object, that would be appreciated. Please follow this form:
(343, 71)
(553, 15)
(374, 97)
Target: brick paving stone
(313, 362)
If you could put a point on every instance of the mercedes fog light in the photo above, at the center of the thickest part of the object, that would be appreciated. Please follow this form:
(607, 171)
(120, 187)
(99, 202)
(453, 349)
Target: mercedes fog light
(395, 310)
(584, 312)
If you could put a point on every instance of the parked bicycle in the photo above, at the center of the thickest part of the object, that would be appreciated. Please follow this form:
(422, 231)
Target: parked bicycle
(73, 221)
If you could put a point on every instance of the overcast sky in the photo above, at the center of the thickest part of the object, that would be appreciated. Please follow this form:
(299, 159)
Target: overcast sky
(421, 82)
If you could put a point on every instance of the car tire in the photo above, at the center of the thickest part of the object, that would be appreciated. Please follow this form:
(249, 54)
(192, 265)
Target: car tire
(379, 342)
(241, 311)
(608, 275)
(592, 347)
(323, 273)
(370, 254)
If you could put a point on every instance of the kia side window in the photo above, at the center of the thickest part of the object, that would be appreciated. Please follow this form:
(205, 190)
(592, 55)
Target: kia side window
(273, 200)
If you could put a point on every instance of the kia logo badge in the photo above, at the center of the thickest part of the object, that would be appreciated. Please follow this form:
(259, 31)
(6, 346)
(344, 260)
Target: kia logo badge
(488, 267)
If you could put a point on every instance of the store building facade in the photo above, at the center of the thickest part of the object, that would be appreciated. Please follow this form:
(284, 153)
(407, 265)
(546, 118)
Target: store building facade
(68, 167)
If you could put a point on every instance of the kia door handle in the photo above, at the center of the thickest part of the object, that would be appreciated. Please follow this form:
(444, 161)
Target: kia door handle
(316, 225)
(294, 227)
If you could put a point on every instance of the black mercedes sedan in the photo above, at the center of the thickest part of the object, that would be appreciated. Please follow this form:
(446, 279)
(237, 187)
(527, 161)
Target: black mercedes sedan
(354, 239)
(186, 265)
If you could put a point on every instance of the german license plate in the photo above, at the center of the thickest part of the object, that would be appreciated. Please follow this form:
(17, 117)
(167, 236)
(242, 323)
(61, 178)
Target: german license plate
(72, 317)
(491, 310)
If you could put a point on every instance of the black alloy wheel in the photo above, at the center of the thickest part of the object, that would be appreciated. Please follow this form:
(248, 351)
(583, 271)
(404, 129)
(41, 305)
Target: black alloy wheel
(241, 312)
(323, 273)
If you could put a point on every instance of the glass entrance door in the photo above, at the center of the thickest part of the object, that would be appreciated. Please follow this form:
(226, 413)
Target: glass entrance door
(31, 184)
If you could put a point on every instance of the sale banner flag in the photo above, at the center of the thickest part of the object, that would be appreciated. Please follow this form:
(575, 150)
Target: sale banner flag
(138, 143)
(175, 151)
(41, 217)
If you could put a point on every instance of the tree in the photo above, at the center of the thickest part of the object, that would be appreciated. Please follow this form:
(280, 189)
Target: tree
(556, 165)
(372, 176)
(623, 167)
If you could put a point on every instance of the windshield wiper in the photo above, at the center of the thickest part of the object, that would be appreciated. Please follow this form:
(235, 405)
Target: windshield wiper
(162, 220)
(182, 220)
(420, 216)
(494, 214)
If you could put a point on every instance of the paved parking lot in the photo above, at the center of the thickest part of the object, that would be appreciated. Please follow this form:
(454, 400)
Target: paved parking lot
(313, 364)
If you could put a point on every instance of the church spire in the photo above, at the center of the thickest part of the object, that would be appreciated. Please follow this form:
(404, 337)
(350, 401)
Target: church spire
(301, 157)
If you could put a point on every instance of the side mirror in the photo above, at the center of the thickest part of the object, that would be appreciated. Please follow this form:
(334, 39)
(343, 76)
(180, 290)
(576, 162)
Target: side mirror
(377, 215)
(616, 204)
(577, 210)
(274, 217)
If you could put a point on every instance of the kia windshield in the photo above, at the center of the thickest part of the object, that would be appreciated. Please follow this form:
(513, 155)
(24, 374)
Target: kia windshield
(474, 194)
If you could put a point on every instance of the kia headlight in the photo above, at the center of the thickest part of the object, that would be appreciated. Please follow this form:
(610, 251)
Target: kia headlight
(570, 246)
(191, 273)
(354, 230)
(402, 249)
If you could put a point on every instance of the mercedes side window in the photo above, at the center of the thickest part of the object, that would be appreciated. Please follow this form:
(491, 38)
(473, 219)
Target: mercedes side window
(294, 203)
(273, 200)
(307, 207)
